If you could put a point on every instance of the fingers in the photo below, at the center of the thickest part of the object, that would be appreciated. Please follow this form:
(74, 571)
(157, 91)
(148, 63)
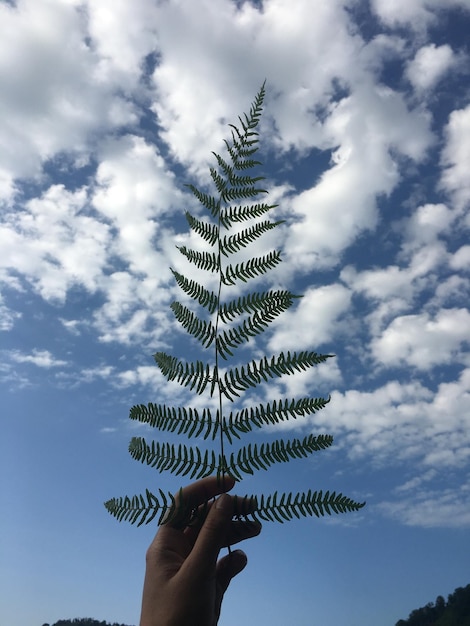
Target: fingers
(212, 536)
(219, 530)
(241, 530)
(194, 495)
(227, 568)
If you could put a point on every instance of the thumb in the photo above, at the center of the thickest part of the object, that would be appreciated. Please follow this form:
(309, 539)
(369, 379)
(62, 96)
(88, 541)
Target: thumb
(212, 536)
(228, 567)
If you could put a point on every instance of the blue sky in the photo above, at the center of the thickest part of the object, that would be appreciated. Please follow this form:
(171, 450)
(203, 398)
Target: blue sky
(107, 109)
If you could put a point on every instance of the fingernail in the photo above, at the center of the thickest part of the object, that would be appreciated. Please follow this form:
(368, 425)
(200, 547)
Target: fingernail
(223, 502)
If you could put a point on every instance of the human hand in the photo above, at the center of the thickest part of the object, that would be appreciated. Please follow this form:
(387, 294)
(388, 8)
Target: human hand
(184, 583)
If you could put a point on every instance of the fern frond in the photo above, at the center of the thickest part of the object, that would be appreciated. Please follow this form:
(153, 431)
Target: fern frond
(243, 149)
(287, 506)
(234, 243)
(232, 324)
(240, 164)
(251, 458)
(207, 299)
(140, 509)
(179, 420)
(250, 269)
(251, 327)
(209, 232)
(207, 261)
(231, 214)
(234, 179)
(277, 300)
(180, 460)
(237, 193)
(200, 329)
(195, 375)
(252, 374)
(206, 200)
(220, 182)
(272, 508)
(273, 413)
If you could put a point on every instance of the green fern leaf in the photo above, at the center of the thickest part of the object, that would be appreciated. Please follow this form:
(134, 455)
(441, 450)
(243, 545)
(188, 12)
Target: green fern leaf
(207, 299)
(139, 509)
(233, 323)
(228, 170)
(252, 458)
(251, 327)
(231, 215)
(179, 420)
(206, 200)
(207, 261)
(252, 374)
(209, 232)
(274, 301)
(219, 182)
(234, 243)
(240, 164)
(273, 413)
(272, 508)
(180, 460)
(195, 375)
(237, 193)
(203, 331)
(250, 269)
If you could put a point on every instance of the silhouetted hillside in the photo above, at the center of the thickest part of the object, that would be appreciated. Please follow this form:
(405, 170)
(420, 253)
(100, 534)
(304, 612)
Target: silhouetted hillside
(83, 621)
(454, 612)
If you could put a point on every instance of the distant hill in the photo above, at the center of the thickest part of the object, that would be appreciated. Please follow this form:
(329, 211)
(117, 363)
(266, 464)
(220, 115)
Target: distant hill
(454, 612)
(83, 621)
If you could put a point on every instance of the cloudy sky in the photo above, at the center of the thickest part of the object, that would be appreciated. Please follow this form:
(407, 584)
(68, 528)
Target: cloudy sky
(107, 109)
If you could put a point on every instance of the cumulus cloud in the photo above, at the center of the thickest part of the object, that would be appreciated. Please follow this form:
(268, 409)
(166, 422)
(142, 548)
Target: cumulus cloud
(133, 191)
(456, 156)
(314, 320)
(423, 341)
(343, 204)
(55, 100)
(418, 15)
(429, 65)
(54, 243)
(406, 423)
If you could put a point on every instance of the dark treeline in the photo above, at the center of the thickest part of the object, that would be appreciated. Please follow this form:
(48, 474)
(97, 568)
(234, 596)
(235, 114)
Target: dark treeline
(82, 621)
(454, 612)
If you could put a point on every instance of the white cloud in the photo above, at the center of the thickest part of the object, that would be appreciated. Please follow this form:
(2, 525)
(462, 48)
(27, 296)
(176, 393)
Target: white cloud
(54, 243)
(123, 33)
(417, 481)
(456, 156)
(461, 259)
(422, 341)
(428, 223)
(314, 320)
(405, 423)
(429, 65)
(198, 83)
(40, 358)
(54, 100)
(333, 213)
(7, 316)
(134, 190)
(418, 15)
(447, 508)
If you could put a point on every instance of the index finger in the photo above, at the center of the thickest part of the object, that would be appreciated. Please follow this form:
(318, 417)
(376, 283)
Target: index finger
(194, 495)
